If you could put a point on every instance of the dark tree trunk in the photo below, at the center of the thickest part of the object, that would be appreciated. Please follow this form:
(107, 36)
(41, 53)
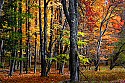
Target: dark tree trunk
(16, 41)
(56, 53)
(27, 42)
(1, 50)
(12, 64)
(44, 64)
(61, 69)
(45, 40)
(35, 55)
(41, 40)
(20, 27)
(13, 51)
(1, 26)
(72, 19)
(15, 64)
(1, 5)
(74, 67)
(113, 60)
(28, 61)
(29, 53)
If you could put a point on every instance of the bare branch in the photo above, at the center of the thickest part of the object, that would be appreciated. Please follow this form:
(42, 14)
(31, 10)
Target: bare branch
(48, 2)
(93, 2)
(80, 6)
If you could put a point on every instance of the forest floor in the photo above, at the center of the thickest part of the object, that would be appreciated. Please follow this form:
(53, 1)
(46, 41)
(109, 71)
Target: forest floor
(104, 75)
(117, 75)
(54, 77)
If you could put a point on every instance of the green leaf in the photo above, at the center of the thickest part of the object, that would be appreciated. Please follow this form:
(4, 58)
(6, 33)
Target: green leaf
(61, 58)
(18, 59)
(83, 59)
(81, 34)
(66, 41)
(54, 59)
(80, 43)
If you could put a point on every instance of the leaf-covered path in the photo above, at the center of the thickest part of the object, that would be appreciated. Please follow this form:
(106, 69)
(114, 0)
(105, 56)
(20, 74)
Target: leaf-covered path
(53, 77)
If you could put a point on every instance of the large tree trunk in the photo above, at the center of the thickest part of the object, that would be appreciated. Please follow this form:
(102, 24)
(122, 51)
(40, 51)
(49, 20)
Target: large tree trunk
(43, 72)
(72, 18)
(74, 71)
(41, 41)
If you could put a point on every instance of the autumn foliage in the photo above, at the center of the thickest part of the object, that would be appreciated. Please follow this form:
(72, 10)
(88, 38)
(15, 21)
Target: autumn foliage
(100, 21)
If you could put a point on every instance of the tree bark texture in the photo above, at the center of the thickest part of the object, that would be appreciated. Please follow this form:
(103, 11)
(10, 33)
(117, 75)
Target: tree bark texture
(72, 18)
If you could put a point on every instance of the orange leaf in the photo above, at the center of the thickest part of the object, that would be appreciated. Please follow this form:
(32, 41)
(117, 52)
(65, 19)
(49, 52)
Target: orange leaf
(122, 22)
(117, 31)
(116, 26)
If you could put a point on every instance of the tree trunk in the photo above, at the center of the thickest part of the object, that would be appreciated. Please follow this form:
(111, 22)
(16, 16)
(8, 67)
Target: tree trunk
(15, 64)
(41, 40)
(28, 61)
(1, 43)
(1, 50)
(1, 5)
(20, 27)
(51, 41)
(61, 70)
(27, 42)
(98, 52)
(72, 19)
(12, 64)
(13, 51)
(35, 55)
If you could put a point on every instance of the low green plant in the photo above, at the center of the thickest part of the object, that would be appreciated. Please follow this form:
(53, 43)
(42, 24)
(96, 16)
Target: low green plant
(18, 59)
(62, 58)
(84, 60)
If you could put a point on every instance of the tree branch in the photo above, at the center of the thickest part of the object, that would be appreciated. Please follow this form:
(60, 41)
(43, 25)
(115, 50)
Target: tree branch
(80, 6)
(121, 46)
(48, 2)
(65, 11)
(93, 2)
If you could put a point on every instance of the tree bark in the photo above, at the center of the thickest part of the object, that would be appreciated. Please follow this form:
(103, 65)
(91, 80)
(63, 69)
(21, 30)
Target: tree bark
(72, 19)
(51, 41)
(41, 40)
(1, 5)
(13, 51)
(1, 42)
(28, 61)
(20, 27)
(35, 55)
